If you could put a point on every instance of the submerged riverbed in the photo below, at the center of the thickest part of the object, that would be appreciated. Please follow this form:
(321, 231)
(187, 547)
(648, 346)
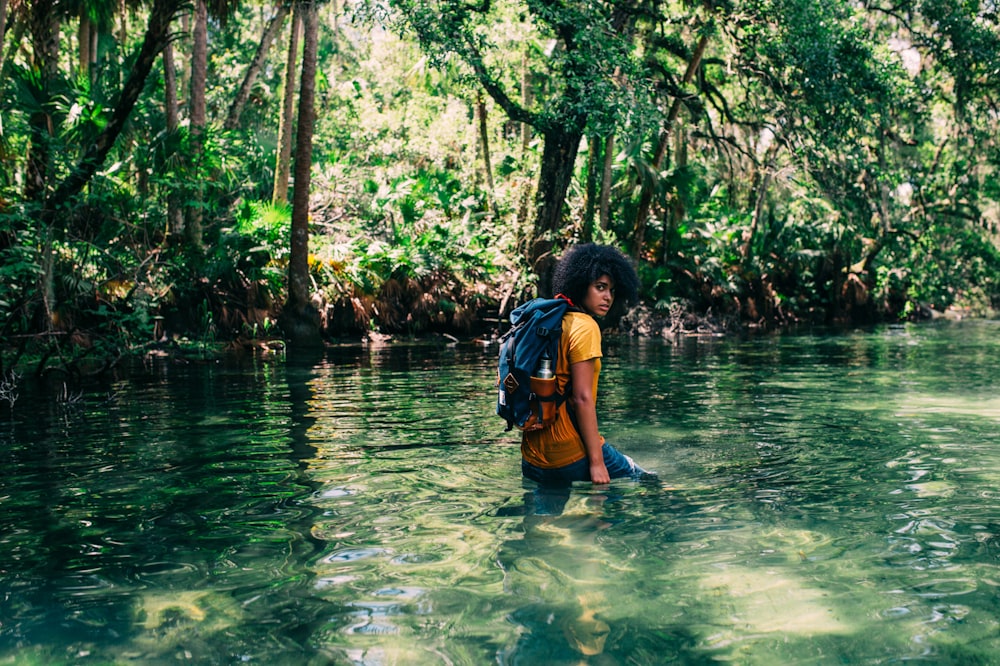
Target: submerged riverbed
(821, 499)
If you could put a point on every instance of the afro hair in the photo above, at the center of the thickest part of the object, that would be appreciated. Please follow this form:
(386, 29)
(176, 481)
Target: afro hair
(583, 264)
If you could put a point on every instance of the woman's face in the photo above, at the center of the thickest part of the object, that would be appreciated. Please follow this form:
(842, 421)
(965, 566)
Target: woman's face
(600, 296)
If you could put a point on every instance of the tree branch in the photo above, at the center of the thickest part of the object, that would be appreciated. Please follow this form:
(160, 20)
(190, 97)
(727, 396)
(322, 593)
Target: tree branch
(157, 34)
(514, 111)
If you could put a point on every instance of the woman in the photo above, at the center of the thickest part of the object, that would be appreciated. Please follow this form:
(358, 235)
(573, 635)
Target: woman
(593, 277)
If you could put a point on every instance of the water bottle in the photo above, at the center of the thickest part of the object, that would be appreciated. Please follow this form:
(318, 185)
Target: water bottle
(543, 385)
(545, 367)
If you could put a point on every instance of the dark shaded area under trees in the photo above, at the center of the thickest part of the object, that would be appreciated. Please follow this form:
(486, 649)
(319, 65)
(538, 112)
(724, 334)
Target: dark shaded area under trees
(765, 163)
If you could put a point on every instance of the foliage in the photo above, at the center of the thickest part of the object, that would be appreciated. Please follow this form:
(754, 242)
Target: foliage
(431, 254)
(826, 162)
(19, 269)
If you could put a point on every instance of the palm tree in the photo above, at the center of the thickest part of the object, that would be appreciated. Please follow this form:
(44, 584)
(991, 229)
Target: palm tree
(44, 26)
(253, 71)
(3, 28)
(175, 212)
(282, 169)
(156, 37)
(197, 119)
(197, 116)
(157, 34)
(299, 319)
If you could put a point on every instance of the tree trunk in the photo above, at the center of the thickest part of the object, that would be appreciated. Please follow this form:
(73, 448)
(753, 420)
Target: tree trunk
(484, 141)
(253, 71)
(527, 99)
(97, 152)
(196, 104)
(171, 106)
(184, 73)
(646, 194)
(300, 320)
(44, 43)
(153, 42)
(175, 212)
(590, 210)
(15, 42)
(883, 209)
(95, 42)
(762, 183)
(676, 213)
(282, 169)
(555, 176)
(84, 38)
(123, 24)
(884, 213)
(609, 161)
(3, 30)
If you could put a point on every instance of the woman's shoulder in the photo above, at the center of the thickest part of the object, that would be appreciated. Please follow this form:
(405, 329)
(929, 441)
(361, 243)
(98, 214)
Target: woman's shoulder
(578, 326)
(579, 319)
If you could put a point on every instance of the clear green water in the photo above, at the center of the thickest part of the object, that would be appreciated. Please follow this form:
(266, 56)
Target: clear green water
(823, 500)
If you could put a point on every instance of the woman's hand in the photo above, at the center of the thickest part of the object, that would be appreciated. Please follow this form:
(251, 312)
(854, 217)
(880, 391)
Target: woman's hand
(599, 473)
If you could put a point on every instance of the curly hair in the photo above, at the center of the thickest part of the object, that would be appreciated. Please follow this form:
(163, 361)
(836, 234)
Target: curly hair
(583, 264)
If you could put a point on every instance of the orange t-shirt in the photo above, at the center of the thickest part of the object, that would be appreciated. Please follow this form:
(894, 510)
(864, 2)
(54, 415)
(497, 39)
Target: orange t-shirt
(560, 444)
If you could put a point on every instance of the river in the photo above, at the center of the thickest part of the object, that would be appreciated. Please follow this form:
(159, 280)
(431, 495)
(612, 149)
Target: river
(823, 498)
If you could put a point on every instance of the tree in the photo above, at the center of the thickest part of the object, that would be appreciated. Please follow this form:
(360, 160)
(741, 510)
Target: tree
(815, 99)
(484, 145)
(175, 209)
(592, 55)
(299, 319)
(243, 94)
(19, 26)
(193, 216)
(829, 160)
(198, 116)
(649, 185)
(156, 36)
(92, 16)
(44, 24)
(3, 29)
(282, 170)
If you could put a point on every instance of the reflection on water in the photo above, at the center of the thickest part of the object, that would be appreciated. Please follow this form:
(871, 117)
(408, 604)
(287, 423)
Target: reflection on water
(824, 499)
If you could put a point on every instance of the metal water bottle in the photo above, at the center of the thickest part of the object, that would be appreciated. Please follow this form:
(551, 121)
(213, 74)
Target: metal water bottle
(545, 367)
(543, 385)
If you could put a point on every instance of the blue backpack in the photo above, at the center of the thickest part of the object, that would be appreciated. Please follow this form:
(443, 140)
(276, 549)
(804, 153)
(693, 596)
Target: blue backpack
(535, 333)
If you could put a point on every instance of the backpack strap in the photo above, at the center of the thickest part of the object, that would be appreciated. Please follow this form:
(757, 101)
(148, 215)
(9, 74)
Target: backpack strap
(572, 306)
(564, 396)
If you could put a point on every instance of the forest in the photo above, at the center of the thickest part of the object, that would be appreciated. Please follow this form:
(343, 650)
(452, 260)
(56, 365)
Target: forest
(308, 171)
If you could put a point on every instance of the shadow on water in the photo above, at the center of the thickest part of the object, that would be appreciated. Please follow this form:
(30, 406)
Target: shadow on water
(581, 595)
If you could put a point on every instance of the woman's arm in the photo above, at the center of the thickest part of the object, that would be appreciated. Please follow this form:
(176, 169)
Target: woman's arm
(585, 409)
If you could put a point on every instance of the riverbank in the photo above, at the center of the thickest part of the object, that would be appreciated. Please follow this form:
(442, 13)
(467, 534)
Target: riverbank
(76, 357)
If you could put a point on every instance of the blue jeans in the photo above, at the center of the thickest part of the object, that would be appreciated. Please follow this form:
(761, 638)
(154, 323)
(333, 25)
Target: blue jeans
(619, 466)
